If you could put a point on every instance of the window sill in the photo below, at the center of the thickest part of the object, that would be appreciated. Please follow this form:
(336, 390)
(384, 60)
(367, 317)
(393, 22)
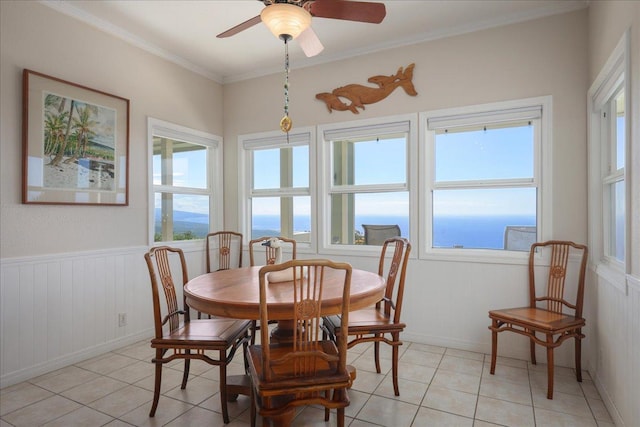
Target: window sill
(480, 256)
(613, 276)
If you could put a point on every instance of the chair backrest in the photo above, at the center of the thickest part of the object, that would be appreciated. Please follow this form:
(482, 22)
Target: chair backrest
(309, 355)
(273, 254)
(394, 269)
(558, 266)
(228, 246)
(159, 260)
(377, 234)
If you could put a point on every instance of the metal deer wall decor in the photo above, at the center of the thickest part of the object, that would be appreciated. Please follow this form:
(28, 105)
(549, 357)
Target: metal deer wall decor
(360, 95)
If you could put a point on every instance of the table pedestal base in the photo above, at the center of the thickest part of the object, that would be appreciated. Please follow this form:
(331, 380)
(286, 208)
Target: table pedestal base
(283, 332)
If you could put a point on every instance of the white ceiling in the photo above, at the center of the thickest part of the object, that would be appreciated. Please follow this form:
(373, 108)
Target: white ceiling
(184, 31)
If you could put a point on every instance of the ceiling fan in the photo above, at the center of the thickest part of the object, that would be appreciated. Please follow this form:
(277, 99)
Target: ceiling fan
(288, 19)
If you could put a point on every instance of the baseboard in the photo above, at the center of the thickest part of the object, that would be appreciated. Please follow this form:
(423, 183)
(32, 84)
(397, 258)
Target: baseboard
(446, 342)
(608, 401)
(69, 359)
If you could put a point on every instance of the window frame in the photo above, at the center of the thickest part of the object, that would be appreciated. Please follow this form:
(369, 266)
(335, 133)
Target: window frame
(363, 128)
(472, 116)
(214, 146)
(275, 139)
(613, 78)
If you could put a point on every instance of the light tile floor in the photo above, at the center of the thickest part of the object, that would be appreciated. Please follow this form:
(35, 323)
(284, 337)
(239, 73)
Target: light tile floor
(438, 387)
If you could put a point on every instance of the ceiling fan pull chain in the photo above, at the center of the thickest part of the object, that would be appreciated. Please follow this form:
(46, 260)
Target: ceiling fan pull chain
(285, 123)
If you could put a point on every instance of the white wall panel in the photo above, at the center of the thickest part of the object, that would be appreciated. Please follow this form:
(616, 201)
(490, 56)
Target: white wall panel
(60, 309)
(616, 365)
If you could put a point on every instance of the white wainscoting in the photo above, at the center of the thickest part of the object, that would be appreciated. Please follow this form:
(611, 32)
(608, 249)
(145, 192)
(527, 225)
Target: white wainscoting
(617, 360)
(60, 309)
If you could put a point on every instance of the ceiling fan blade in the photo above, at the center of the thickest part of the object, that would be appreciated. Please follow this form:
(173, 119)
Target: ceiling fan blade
(240, 27)
(309, 42)
(361, 11)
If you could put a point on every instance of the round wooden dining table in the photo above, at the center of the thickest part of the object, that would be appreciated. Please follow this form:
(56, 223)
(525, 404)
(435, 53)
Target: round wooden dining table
(235, 293)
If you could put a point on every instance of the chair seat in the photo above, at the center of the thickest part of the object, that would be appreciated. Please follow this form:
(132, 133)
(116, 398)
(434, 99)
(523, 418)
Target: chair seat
(538, 319)
(286, 380)
(205, 333)
(368, 319)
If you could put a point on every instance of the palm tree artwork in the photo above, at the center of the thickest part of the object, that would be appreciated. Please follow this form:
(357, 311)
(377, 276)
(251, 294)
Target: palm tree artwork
(79, 141)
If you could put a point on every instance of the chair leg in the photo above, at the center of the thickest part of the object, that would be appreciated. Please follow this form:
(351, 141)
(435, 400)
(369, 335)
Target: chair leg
(376, 354)
(185, 374)
(340, 417)
(532, 347)
(252, 418)
(245, 357)
(156, 388)
(494, 345)
(326, 409)
(394, 365)
(254, 328)
(549, 366)
(223, 387)
(578, 356)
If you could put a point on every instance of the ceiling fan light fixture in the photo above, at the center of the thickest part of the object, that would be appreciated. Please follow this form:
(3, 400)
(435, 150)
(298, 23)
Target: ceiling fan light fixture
(286, 20)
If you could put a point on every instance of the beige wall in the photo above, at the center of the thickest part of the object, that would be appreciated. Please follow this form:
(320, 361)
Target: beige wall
(39, 38)
(536, 58)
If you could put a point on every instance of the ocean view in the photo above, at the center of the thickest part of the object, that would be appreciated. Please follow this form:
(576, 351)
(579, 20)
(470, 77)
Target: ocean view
(449, 231)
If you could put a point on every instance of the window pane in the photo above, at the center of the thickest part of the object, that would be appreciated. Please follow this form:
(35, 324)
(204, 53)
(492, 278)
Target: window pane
(370, 161)
(495, 153)
(302, 219)
(180, 217)
(616, 234)
(266, 218)
(349, 212)
(179, 163)
(266, 168)
(301, 166)
(267, 164)
(620, 131)
(503, 218)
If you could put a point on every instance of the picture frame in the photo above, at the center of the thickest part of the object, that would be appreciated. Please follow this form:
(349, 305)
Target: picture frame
(75, 143)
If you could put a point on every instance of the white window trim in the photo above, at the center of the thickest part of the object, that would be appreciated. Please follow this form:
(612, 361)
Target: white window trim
(542, 175)
(157, 127)
(362, 128)
(275, 139)
(616, 71)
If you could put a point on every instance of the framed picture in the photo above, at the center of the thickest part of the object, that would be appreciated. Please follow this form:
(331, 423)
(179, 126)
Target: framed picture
(75, 143)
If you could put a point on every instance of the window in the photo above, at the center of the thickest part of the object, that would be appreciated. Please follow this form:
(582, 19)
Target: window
(366, 181)
(186, 175)
(613, 183)
(276, 176)
(483, 176)
(609, 102)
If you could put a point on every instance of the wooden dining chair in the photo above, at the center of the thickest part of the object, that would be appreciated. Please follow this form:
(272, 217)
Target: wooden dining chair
(223, 251)
(310, 369)
(273, 254)
(179, 337)
(549, 313)
(381, 322)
